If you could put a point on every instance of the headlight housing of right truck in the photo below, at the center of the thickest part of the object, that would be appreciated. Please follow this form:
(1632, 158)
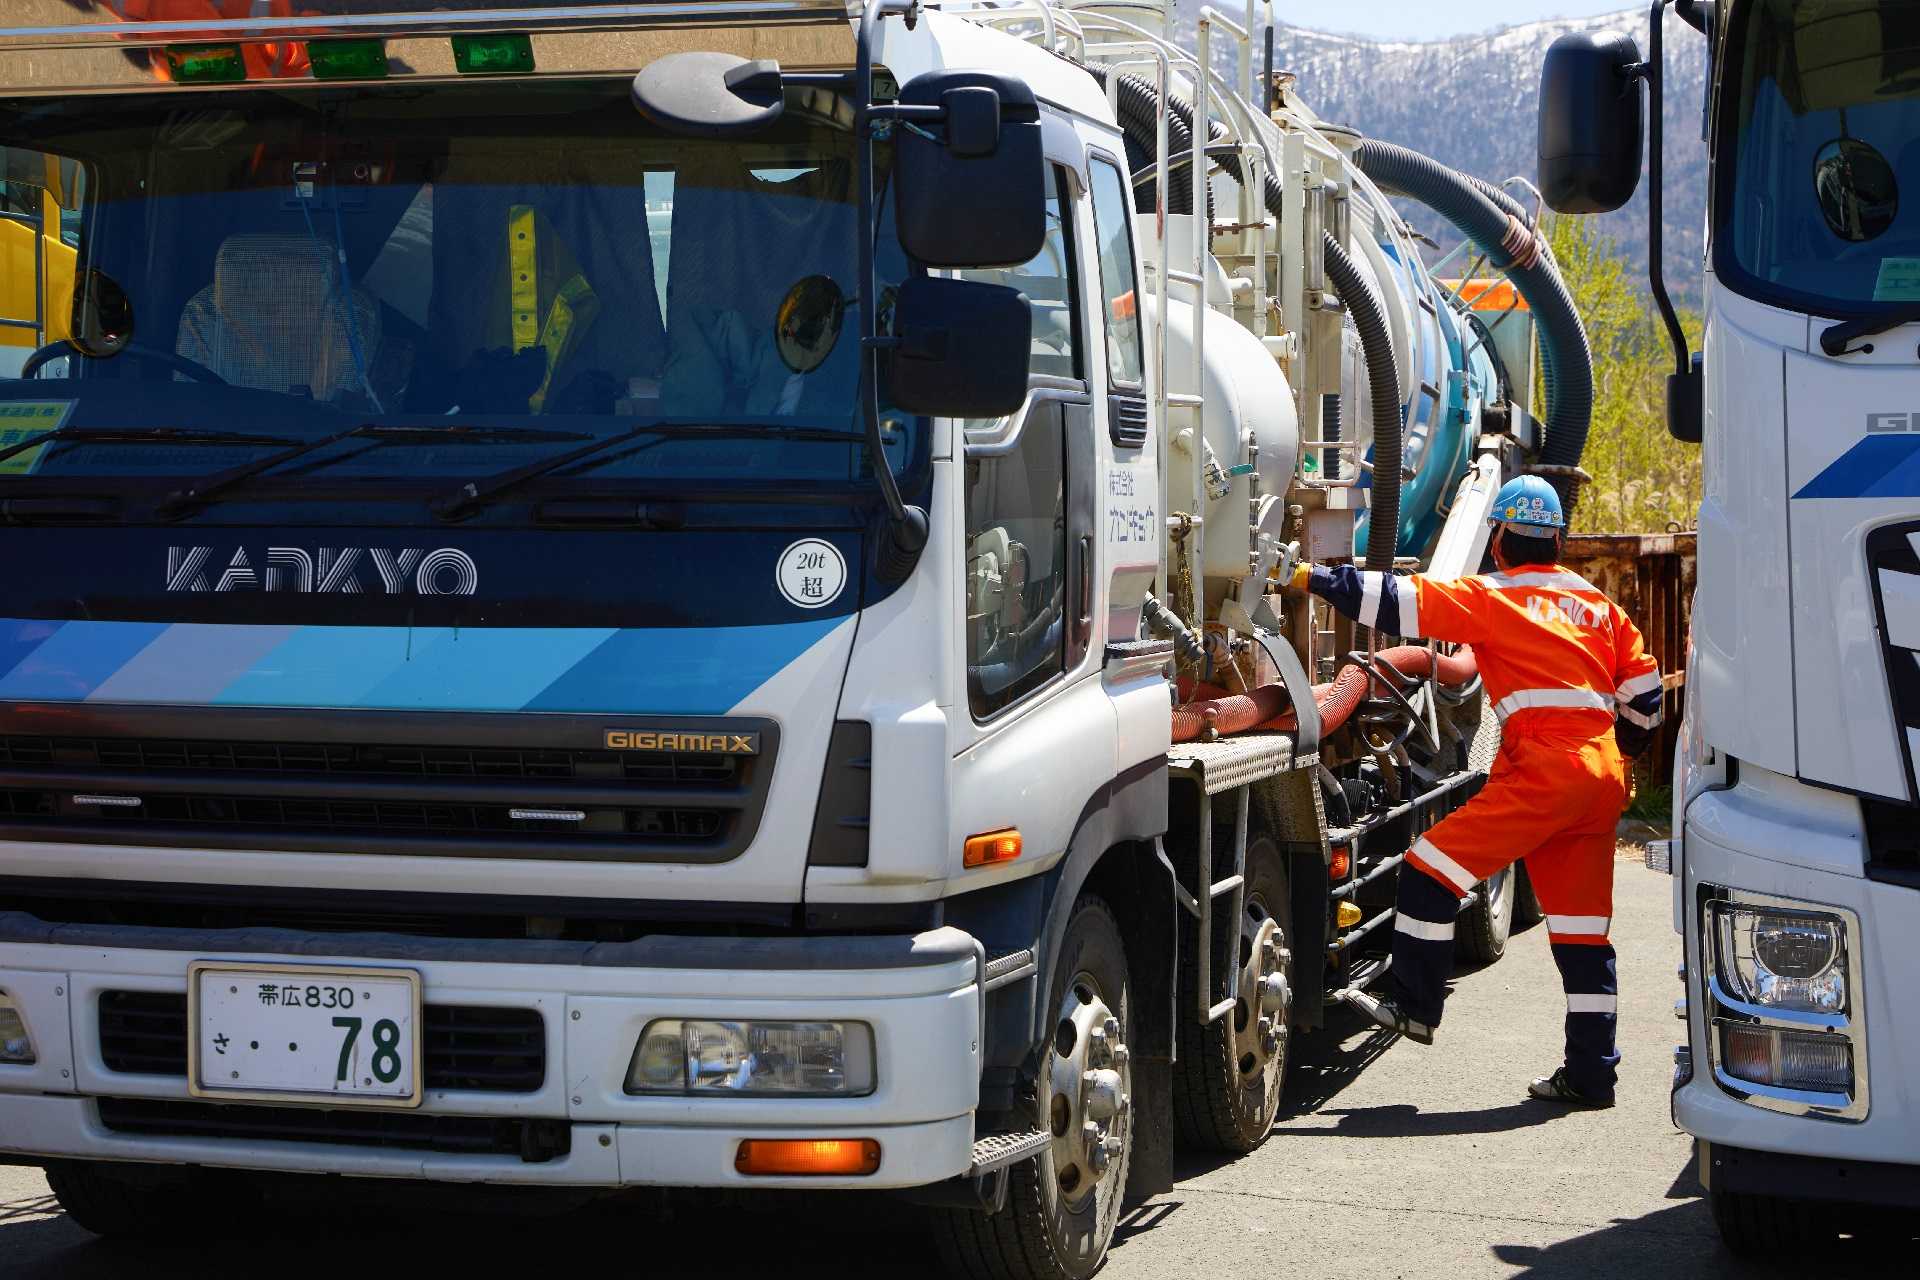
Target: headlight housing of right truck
(1785, 1026)
(1780, 959)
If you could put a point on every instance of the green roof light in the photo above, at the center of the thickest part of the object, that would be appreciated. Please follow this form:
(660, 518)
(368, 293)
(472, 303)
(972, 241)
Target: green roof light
(348, 59)
(206, 63)
(493, 55)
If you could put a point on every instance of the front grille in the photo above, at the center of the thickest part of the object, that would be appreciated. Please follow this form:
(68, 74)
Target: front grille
(1893, 560)
(471, 1047)
(366, 761)
(534, 1141)
(500, 786)
(367, 817)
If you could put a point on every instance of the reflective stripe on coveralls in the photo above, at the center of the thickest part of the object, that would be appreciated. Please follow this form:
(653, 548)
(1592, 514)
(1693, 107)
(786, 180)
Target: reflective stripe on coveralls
(1566, 699)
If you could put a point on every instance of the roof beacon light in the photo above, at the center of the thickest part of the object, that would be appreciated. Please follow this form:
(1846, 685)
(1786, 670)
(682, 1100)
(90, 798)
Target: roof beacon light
(206, 64)
(348, 59)
(510, 54)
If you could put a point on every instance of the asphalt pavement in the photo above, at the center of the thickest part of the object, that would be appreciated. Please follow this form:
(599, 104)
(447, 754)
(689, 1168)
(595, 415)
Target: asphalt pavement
(1391, 1160)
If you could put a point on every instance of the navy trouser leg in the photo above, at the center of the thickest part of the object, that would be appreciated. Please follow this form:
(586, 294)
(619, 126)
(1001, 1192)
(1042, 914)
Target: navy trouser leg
(1593, 996)
(1422, 944)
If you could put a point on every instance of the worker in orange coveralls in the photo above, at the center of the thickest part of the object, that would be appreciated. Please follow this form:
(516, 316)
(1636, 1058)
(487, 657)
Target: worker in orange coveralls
(279, 60)
(1576, 693)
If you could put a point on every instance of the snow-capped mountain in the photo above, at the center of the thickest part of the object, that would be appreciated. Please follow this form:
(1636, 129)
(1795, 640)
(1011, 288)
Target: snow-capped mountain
(1470, 102)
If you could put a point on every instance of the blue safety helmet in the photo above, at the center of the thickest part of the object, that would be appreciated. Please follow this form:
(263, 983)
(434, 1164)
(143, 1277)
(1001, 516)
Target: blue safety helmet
(1528, 505)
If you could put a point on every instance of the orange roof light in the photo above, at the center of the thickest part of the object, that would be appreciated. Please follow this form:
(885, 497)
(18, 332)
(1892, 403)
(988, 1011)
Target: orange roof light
(992, 848)
(807, 1157)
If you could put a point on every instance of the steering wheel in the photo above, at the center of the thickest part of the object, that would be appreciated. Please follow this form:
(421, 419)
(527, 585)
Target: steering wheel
(179, 364)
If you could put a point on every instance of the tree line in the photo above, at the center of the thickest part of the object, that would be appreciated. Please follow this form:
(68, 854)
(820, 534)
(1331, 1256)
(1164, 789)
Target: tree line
(1644, 481)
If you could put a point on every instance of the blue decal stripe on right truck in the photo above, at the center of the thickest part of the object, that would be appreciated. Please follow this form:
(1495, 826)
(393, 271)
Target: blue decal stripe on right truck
(1876, 467)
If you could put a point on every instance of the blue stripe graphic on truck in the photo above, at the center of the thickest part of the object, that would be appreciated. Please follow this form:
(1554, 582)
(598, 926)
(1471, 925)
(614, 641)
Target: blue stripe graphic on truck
(1881, 466)
(690, 670)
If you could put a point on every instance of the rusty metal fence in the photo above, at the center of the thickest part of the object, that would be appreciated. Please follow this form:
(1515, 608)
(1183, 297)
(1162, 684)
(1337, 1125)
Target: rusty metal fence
(1651, 576)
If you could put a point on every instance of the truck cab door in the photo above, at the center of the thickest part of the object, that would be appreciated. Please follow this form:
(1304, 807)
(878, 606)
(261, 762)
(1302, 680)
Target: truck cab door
(1031, 724)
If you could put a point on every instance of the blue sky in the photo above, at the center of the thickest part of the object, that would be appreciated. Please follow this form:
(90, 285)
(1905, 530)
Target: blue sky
(1424, 19)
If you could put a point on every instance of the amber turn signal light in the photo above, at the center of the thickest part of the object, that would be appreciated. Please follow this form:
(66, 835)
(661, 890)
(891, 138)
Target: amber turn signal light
(807, 1157)
(991, 848)
(1346, 915)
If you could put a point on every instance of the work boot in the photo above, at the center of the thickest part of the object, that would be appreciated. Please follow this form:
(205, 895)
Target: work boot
(1558, 1088)
(1386, 1013)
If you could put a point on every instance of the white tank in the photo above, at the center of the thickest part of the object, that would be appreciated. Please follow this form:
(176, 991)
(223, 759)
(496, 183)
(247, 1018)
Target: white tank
(1247, 403)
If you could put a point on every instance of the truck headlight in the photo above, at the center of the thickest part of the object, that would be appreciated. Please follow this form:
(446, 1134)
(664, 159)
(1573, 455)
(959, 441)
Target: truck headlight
(1781, 959)
(16, 1046)
(792, 1059)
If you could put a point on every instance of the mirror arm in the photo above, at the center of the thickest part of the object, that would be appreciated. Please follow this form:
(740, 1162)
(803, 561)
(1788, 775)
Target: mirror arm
(930, 112)
(1686, 405)
(907, 527)
(1656, 198)
(837, 80)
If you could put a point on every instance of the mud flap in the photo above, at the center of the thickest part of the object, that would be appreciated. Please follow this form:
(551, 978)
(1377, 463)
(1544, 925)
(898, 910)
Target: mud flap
(1150, 1171)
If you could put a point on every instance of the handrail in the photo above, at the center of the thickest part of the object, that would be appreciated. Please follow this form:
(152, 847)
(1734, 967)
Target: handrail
(1041, 389)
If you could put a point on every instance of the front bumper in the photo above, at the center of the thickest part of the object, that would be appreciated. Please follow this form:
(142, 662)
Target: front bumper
(1822, 1178)
(1746, 843)
(920, 994)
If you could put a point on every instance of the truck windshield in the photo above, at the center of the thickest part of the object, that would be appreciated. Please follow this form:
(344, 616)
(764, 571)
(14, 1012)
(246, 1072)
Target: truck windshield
(1819, 157)
(505, 255)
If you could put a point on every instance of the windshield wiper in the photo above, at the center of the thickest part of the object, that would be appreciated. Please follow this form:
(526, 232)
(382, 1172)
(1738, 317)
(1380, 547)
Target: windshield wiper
(1835, 338)
(136, 435)
(475, 494)
(186, 501)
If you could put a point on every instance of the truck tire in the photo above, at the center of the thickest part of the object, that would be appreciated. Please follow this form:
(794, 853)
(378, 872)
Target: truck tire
(1762, 1226)
(1226, 1089)
(1481, 936)
(1060, 1212)
(124, 1209)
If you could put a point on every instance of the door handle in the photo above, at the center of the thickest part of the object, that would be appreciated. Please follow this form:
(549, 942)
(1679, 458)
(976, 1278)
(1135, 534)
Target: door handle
(1086, 582)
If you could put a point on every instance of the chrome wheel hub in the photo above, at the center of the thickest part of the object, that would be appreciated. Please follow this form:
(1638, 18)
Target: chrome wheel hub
(1089, 1080)
(1260, 1018)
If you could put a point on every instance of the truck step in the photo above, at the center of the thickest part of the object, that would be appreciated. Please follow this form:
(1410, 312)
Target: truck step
(998, 1150)
(1011, 967)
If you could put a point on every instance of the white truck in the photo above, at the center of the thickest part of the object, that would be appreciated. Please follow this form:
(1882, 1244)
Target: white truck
(1796, 849)
(596, 596)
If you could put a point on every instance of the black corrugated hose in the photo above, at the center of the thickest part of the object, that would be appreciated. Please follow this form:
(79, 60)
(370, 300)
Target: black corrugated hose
(1497, 226)
(1383, 379)
(1135, 99)
(1138, 102)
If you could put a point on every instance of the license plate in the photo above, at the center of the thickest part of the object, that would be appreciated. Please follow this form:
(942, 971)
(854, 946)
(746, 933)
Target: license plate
(304, 1033)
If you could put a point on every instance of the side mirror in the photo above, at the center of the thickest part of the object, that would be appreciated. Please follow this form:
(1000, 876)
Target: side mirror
(971, 191)
(102, 321)
(1687, 403)
(710, 95)
(1591, 121)
(963, 348)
